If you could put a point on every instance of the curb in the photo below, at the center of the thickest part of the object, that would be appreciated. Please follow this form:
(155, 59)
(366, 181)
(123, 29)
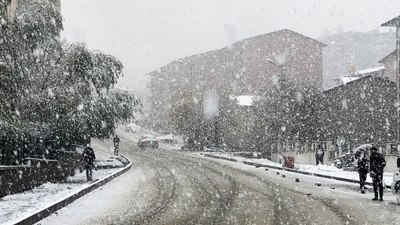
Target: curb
(292, 170)
(43, 213)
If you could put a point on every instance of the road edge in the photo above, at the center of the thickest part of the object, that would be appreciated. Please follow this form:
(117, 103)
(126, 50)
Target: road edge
(47, 211)
(290, 170)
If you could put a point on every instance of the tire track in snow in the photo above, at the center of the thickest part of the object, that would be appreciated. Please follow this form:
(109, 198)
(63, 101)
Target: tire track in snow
(284, 202)
(166, 185)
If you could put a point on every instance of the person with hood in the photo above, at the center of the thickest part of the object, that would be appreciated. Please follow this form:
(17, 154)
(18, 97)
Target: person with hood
(362, 167)
(377, 164)
(88, 158)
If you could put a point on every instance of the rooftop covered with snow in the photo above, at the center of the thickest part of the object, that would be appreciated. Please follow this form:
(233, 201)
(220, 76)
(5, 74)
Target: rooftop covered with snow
(246, 100)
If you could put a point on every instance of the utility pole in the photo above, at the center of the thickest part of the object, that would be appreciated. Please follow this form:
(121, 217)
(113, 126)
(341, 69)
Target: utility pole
(395, 22)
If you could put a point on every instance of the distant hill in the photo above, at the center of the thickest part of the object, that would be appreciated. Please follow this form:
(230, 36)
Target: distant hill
(364, 50)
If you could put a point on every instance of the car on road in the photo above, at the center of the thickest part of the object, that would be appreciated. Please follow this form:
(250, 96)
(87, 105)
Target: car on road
(131, 129)
(148, 141)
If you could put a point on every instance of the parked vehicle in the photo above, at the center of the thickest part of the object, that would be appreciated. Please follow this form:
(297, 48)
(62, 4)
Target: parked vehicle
(130, 129)
(148, 141)
(348, 160)
(345, 162)
(395, 187)
(168, 139)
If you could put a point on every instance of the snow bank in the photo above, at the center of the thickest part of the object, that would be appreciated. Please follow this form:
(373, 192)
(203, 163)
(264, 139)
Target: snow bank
(329, 170)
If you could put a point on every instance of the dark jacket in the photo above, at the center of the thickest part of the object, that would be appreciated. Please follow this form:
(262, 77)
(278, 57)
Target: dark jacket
(319, 153)
(116, 141)
(398, 162)
(363, 165)
(377, 162)
(362, 161)
(88, 157)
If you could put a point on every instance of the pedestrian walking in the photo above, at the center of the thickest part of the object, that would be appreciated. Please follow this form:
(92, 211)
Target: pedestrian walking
(319, 155)
(116, 144)
(88, 159)
(398, 162)
(361, 156)
(377, 164)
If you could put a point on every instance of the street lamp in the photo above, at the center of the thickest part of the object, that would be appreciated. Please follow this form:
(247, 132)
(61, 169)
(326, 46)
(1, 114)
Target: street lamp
(395, 22)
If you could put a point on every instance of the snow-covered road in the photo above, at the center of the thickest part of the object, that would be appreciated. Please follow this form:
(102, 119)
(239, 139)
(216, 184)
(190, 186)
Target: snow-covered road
(171, 187)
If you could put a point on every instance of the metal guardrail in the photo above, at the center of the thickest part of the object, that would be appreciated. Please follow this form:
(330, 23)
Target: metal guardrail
(292, 170)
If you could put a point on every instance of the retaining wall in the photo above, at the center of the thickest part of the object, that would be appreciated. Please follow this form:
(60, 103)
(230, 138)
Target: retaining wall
(14, 179)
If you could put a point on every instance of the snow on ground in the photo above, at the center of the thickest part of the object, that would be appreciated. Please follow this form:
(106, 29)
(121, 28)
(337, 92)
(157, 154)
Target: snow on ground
(330, 170)
(105, 160)
(328, 186)
(175, 147)
(97, 204)
(19, 205)
(22, 204)
(101, 202)
(135, 131)
(134, 136)
(111, 161)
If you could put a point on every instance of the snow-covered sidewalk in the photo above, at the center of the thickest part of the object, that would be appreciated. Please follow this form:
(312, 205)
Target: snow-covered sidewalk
(329, 170)
(16, 206)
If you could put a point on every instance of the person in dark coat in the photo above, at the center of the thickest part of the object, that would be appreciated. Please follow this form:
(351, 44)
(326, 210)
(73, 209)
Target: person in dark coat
(116, 144)
(362, 167)
(319, 155)
(88, 158)
(377, 164)
(398, 162)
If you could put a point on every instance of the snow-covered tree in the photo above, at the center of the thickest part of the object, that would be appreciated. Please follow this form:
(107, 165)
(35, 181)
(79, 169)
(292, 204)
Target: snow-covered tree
(62, 90)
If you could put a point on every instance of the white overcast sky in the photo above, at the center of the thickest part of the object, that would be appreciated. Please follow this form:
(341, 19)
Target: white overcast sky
(147, 34)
